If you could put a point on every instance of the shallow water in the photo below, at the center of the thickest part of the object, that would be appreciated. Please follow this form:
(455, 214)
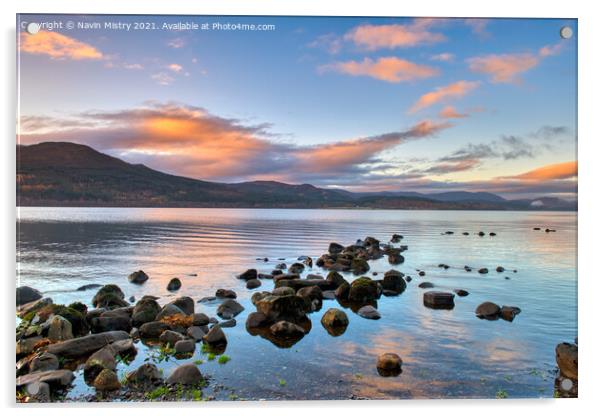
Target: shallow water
(445, 353)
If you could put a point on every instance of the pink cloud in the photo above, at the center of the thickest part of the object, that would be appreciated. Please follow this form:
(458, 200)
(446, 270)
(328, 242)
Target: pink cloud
(373, 37)
(388, 69)
(57, 46)
(450, 112)
(452, 91)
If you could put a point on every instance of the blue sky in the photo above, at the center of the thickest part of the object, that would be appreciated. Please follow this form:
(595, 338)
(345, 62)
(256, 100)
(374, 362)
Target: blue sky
(497, 100)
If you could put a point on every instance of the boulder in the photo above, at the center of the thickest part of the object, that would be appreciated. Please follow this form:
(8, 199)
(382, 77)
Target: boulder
(44, 362)
(335, 279)
(86, 345)
(153, 329)
(283, 291)
(195, 332)
(256, 320)
(276, 308)
(248, 275)
(359, 266)
(200, 319)
(215, 336)
(342, 292)
(296, 268)
(229, 309)
(284, 329)
(109, 297)
(26, 346)
(111, 323)
(225, 293)
(107, 380)
(79, 326)
(174, 284)
(185, 304)
(368, 312)
(253, 283)
(229, 323)
(395, 258)
(312, 296)
(567, 360)
(388, 364)
(500, 269)
(59, 329)
(335, 248)
(363, 290)
(145, 374)
(26, 294)
(484, 270)
(438, 300)
(59, 378)
(169, 310)
(100, 360)
(138, 277)
(80, 307)
(335, 321)
(184, 346)
(170, 337)
(508, 313)
(145, 311)
(393, 282)
(186, 374)
(488, 310)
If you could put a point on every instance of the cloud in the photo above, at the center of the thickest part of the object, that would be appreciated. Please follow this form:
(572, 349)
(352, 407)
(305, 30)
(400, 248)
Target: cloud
(443, 57)
(566, 170)
(507, 68)
(177, 43)
(57, 46)
(450, 112)
(175, 68)
(452, 167)
(133, 66)
(478, 26)
(452, 91)
(373, 37)
(190, 141)
(329, 42)
(163, 78)
(388, 69)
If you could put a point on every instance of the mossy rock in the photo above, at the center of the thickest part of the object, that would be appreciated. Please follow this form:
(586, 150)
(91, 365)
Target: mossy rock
(363, 290)
(108, 294)
(80, 307)
(77, 320)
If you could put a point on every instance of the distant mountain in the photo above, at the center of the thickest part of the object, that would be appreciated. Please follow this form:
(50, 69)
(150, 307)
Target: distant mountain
(69, 174)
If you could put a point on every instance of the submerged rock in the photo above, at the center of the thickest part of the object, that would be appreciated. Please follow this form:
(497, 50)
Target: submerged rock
(286, 329)
(253, 283)
(256, 320)
(500, 269)
(389, 364)
(438, 300)
(488, 310)
(186, 374)
(248, 275)
(484, 270)
(276, 308)
(184, 346)
(229, 309)
(335, 321)
(368, 312)
(461, 292)
(225, 293)
(426, 285)
(174, 284)
(508, 313)
(138, 277)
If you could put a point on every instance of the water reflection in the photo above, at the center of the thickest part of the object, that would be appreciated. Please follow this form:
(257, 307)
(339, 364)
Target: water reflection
(446, 353)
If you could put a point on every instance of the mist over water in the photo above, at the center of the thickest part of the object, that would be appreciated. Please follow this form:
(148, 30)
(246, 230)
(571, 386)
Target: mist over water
(445, 353)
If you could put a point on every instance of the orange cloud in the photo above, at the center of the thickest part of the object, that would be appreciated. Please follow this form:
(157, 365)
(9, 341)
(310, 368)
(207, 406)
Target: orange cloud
(564, 170)
(388, 69)
(372, 37)
(450, 112)
(57, 46)
(503, 68)
(175, 67)
(190, 141)
(455, 90)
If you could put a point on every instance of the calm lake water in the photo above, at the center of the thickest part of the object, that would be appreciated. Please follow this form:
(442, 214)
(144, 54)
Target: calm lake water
(446, 354)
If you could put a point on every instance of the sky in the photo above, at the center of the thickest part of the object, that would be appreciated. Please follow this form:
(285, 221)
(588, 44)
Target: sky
(362, 104)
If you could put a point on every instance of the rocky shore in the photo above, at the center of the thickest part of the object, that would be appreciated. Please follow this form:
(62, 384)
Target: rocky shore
(53, 341)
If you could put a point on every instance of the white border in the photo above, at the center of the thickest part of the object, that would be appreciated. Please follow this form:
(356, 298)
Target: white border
(589, 190)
